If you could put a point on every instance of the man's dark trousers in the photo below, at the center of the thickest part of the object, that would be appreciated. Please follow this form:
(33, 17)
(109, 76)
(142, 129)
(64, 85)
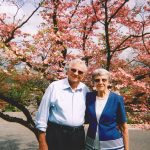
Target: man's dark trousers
(65, 138)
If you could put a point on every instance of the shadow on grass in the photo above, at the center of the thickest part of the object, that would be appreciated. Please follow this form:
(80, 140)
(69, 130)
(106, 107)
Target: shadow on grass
(9, 145)
(14, 144)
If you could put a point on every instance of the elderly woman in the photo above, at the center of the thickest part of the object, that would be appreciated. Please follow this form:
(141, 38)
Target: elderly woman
(105, 114)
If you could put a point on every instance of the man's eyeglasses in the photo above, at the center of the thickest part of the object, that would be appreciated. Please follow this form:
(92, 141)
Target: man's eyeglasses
(98, 80)
(75, 70)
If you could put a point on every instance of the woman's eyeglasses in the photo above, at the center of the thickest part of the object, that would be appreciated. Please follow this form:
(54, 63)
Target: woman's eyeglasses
(98, 80)
(75, 70)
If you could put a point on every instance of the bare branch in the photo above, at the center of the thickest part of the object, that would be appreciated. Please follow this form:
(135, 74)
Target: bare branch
(2, 21)
(129, 62)
(19, 26)
(18, 8)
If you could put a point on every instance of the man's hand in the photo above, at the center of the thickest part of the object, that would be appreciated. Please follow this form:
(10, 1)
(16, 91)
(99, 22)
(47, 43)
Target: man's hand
(43, 146)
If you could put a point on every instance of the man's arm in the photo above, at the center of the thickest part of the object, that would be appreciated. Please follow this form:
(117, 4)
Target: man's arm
(42, 119)
(42, 141)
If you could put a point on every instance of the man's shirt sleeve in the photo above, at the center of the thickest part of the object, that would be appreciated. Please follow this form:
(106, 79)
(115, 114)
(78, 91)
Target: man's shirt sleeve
(43, 111)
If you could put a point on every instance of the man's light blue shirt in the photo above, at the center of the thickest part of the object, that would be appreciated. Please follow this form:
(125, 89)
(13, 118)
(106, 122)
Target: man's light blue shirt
(62, 105)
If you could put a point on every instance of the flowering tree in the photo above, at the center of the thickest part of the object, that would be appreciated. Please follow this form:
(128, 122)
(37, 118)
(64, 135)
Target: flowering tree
(97, 31)
(16, 88)
(116, 26)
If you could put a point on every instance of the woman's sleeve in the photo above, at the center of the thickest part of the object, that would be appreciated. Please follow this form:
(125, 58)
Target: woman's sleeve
(121, 113)
(86, 111)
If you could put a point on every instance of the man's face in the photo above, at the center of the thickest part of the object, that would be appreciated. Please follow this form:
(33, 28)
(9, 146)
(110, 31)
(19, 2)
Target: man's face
(76, 73)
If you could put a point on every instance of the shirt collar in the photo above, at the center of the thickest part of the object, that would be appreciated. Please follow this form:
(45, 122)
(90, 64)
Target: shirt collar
(66, 85)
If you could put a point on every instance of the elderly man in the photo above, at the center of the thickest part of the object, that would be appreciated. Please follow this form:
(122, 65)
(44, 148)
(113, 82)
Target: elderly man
(61, 113)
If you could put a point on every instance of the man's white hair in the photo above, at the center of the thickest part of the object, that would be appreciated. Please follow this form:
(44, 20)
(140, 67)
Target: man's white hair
(76, 61)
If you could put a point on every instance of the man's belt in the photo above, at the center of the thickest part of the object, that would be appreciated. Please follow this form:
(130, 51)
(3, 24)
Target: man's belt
(65, 127)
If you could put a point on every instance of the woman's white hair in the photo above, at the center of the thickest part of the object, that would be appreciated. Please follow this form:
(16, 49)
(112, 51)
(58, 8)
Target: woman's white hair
(101, 72)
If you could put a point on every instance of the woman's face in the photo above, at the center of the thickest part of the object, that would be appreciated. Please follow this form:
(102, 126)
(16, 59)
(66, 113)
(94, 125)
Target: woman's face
(101, 83)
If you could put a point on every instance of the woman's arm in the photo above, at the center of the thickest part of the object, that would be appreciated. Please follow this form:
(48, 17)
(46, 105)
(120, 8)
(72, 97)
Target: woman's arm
(124, 129)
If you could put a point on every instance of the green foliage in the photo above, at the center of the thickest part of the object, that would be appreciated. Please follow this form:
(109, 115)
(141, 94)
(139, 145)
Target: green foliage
(130, 121)
(16, 94)
(24, 89)
(125, 90)
(11, 108)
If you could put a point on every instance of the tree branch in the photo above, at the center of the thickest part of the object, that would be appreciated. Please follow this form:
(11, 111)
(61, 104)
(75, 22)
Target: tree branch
(86, 32)
(115, 13)
(107, 35)
(130, 36)
(56, 3)
(20, 121)
(144, 39)
(140, 77)
(76, 7)
(94, 10)
(19, 106)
